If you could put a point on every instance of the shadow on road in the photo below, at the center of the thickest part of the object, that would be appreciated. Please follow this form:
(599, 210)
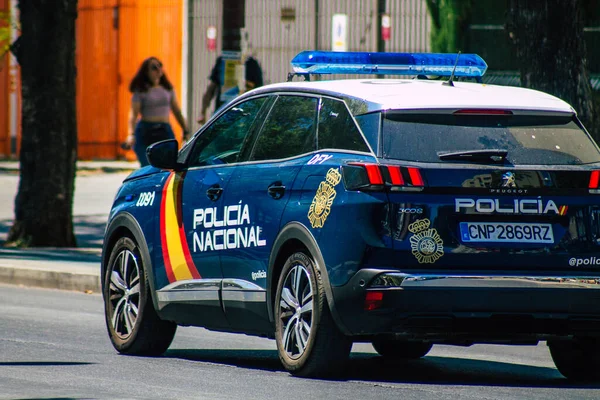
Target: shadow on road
(430, 370)
(266, 360)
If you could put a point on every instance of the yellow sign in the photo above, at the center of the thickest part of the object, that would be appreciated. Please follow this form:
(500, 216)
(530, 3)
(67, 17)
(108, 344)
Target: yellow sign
(232, 75)
(427, 245)
(321, 204)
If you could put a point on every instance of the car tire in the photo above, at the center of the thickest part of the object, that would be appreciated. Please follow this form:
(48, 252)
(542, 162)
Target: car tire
(577, 359)
(308, 341)
(133, 326)
(391, 348)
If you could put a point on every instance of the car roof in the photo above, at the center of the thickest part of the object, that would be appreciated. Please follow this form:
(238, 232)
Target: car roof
(410, 94)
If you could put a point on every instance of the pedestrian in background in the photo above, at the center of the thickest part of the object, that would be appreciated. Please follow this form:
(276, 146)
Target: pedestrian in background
(152, 101)
(253, 78)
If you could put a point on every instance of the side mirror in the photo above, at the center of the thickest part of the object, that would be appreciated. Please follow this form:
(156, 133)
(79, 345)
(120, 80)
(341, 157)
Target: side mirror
(163, 154)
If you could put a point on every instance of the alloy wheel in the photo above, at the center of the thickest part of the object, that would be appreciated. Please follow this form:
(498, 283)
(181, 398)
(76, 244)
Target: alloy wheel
(124, 293)
(296, 311)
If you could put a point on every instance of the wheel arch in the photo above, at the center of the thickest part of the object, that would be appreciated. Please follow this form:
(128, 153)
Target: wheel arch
(122, 225)
(293, 237)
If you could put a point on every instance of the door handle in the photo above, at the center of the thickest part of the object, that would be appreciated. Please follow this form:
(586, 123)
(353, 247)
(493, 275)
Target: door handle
(276, 190)
(214, 193)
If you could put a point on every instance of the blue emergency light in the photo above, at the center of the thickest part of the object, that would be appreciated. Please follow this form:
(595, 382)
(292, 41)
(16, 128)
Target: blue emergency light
(439, 64)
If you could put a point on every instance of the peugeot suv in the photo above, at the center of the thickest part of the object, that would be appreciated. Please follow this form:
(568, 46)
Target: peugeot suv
(401, 212)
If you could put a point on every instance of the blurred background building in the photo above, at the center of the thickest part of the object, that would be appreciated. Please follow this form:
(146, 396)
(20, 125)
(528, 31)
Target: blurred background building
(114, 36)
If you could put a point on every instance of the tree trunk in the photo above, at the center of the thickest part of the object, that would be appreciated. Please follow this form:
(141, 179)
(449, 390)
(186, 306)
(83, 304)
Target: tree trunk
(549, 42)
(46, 54)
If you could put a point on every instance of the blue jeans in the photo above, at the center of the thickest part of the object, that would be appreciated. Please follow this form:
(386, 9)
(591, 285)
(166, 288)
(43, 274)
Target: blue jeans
(140, 146)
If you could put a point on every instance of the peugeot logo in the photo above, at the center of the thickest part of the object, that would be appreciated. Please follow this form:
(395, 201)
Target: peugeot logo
(508, 180)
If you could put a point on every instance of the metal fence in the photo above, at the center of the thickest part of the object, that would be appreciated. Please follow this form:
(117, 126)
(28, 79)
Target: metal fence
(279, 29)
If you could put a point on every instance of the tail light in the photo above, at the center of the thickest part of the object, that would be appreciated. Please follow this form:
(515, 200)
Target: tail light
(594, 182)
(482, 111)
(373, 300)
(373, 177)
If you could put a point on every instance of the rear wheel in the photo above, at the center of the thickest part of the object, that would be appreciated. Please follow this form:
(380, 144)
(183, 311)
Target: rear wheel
(390, 348)
(577, 359)
(132, 323)
(308, 341)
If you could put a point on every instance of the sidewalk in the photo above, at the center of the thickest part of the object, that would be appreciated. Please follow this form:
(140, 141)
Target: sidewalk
(99, 166)
(69, 268)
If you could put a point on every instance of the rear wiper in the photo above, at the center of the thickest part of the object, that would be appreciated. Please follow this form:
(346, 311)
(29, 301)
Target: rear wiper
(488, 155)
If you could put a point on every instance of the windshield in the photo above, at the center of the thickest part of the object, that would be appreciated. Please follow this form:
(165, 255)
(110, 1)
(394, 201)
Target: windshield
(528, 140)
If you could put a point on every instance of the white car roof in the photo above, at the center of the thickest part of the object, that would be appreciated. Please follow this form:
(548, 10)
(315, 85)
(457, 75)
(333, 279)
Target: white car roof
(423, 94)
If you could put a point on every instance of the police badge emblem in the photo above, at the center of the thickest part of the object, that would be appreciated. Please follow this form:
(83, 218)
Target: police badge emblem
(426, 244)
(321, 204)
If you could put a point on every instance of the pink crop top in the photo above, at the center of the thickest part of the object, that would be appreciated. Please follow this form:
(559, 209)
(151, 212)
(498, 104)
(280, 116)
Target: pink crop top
(156, 102)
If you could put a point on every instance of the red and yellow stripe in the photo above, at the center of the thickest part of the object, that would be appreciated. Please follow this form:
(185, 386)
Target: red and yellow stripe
(176, 253)
(562, 210)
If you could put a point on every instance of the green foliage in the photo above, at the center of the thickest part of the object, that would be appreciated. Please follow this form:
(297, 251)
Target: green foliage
(5, 32)
(450, 20)
(7, 25)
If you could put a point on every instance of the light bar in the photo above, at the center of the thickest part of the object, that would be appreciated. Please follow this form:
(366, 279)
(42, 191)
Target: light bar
(439, 64)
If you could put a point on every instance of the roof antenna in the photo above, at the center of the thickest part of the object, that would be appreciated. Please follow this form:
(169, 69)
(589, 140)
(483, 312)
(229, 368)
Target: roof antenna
(450, 81)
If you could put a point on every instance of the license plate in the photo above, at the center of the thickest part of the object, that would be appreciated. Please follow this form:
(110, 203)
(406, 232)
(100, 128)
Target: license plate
(506, 232)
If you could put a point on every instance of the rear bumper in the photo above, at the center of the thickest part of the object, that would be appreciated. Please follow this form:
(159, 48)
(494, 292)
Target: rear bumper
(490, 308)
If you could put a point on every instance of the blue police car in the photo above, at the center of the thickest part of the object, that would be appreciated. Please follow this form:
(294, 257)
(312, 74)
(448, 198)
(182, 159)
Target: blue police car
(400, 212)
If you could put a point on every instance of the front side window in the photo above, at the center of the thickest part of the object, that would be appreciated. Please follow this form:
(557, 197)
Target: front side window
(222, 141)
(289, 129)
(337, 129)
(527, 139)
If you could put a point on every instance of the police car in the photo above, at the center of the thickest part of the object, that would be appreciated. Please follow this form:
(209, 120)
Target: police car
(400, 212)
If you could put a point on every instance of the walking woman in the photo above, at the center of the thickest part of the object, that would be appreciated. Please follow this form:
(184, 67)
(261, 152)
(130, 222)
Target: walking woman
(153, 99)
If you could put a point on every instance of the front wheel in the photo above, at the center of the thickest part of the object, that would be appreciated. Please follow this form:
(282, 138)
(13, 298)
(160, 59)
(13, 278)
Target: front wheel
(401, 349)
(577, 359)
(132, 323)
(308, 341)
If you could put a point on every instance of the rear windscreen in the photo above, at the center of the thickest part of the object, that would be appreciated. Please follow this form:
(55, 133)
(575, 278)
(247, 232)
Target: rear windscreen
(529, 140)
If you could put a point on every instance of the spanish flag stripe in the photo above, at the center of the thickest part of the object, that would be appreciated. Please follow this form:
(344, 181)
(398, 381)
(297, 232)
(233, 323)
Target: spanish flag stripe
(163, 235)
(183, 239)
(176, 256)
(563, 210)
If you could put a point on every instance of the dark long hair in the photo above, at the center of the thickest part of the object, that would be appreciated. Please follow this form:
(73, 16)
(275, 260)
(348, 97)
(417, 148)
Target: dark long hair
(141, 82)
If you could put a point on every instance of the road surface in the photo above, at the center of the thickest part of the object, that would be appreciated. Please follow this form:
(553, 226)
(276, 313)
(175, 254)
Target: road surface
(53, 344)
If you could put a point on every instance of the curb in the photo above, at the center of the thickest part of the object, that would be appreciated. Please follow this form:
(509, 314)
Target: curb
(82, 281)
(76, 269)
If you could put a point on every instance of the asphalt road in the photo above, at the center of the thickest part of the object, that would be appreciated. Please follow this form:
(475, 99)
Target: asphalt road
(53, 344)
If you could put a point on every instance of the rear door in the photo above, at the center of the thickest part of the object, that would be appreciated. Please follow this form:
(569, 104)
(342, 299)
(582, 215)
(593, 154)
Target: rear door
(260, 190)
(498, 190)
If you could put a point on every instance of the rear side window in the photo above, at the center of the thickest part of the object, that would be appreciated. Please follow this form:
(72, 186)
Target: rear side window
(337, 129)
(289, 129)
(370, 124)
(529, 140)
